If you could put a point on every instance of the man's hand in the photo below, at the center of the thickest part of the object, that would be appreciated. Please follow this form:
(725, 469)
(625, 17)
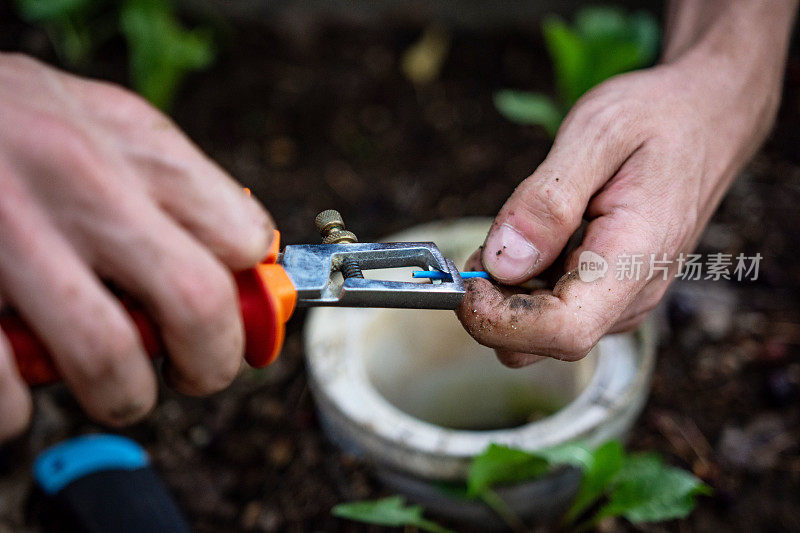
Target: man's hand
(96, 185)
(645, 158)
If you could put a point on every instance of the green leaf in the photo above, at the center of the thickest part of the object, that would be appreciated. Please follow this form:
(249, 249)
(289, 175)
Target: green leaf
(606, 461)
(626, 56)
(570, 58)
(71, 25)
(602, 43)
(639, 487)
(598, 22)
(391, 511)
(161, 51)
(500, 465)
(615, 42)
(647, 490)
(529, 108)
(575, 454)
(43, 10)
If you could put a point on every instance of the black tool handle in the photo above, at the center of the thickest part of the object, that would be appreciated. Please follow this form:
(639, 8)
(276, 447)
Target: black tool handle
(105, 483)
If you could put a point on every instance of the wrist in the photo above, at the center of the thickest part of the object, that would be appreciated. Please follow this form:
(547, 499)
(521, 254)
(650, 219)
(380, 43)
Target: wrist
(732, 55)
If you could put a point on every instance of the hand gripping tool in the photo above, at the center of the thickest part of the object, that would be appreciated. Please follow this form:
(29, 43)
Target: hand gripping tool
(304, 275)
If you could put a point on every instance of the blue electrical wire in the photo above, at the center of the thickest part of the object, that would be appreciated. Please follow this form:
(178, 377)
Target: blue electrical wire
(438, 274)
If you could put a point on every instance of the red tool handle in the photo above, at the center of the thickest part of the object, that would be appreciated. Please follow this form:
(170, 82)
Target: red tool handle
(266, 297)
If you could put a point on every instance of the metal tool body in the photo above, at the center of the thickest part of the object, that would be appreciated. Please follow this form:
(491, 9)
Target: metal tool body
(312, 268)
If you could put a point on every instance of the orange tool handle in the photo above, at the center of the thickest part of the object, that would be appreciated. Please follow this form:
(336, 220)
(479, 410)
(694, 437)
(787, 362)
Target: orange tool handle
(266, 296)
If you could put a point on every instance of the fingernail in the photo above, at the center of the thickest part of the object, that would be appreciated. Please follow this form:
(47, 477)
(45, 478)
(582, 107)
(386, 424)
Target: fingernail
(508, 255)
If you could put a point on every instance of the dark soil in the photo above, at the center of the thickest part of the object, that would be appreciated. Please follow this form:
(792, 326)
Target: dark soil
(329, 121)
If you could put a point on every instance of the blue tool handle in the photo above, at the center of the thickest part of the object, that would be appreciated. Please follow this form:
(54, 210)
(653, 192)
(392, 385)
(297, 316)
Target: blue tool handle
(103, 483)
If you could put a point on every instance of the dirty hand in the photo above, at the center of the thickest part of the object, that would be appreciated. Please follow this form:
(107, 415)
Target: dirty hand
(96, 185)
(644, 158)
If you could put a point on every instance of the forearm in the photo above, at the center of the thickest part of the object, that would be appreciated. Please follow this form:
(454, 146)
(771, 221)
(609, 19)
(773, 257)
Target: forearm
(737, 48)
(730, 57)
(735, 30)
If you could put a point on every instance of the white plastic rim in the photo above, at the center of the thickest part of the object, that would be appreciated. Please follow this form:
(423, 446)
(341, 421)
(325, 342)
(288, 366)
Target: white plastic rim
(365, 380)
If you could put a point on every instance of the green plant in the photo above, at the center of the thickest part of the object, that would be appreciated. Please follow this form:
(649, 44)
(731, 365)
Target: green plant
(161, 52)
(391, 511)
(637, 486)
(75, 27)
(602, 43)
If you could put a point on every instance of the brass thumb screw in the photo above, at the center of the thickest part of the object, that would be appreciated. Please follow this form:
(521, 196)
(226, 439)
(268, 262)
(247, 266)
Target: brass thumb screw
(331, 227)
